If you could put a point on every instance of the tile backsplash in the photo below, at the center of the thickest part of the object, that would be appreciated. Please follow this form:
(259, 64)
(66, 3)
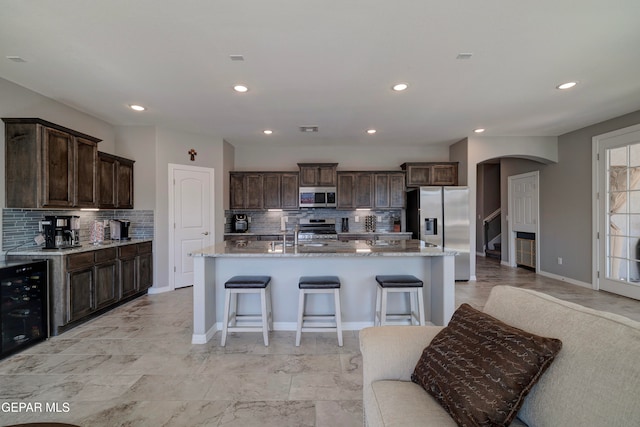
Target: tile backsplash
(265, 222)
(20, 226)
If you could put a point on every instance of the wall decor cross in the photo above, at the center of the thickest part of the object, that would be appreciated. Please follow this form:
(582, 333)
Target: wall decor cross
(193, 153)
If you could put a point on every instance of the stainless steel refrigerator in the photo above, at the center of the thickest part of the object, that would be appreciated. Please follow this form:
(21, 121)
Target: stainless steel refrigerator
(440, 215)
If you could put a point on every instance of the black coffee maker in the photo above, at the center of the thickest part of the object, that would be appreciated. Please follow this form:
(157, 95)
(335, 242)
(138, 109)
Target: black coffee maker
(239, 223)
(60, 231)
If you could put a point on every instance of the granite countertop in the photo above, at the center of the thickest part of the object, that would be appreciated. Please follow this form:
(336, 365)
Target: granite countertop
(352, 248)
(84, 247)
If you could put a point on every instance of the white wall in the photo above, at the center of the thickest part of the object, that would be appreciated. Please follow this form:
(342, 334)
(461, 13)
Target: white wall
(348, 157)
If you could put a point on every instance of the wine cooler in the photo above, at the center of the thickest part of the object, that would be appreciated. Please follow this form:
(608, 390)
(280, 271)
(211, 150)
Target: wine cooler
(24, 316)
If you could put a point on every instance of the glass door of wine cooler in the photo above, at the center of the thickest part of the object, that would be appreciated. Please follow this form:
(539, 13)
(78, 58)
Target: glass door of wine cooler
(24, 305)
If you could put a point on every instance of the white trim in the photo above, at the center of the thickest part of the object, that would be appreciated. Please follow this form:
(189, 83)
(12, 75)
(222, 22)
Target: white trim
(511, 262)
(595, 211)
(566, 279)
(506, 264)
(212, 225)
(204, 338)
(482, 254)
(157, 290)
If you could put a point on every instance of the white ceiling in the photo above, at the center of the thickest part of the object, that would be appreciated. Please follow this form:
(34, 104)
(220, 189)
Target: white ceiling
(331, 63)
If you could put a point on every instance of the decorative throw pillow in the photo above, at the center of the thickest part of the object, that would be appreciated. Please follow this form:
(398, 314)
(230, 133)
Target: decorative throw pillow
(480, 369)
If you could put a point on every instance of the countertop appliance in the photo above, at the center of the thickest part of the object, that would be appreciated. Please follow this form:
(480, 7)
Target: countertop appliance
(24, 316)
(119, 229)
(240, 223)
(60, 231)
(317, 197)
(317, 229)
(440, 215)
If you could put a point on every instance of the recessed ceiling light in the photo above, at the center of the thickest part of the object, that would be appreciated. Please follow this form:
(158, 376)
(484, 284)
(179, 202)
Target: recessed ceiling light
(240, 88)
(400, 87)
(137, 107)
(567, 85)
(236, 57)
(371, 131)
(464, 55)
(479, 130)
(267, 131)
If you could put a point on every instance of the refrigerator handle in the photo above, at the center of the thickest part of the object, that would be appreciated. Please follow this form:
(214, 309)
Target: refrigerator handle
(431, 226)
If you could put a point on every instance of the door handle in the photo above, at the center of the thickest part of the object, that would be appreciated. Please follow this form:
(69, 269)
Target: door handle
(206, 233)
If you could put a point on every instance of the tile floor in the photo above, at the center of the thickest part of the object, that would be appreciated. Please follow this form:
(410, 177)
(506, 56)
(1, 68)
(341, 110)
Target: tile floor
(136, 366)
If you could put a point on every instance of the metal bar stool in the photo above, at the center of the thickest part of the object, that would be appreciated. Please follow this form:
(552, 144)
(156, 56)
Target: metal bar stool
(311, 323)
(399, 283)
(255, 323)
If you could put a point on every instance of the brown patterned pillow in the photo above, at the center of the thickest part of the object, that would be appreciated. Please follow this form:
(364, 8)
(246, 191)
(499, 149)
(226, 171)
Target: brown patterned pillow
(480, 369)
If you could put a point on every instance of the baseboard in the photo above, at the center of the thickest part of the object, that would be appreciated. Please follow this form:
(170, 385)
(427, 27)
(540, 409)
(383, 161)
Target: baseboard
(505, 263)
(152, 290)
(482, 254)
(566, 279)
(204, 338)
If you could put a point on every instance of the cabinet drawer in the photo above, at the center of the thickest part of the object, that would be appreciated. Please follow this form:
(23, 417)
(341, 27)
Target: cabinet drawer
(145, 248)
(103, 255)
(128, 251)
(82, 260)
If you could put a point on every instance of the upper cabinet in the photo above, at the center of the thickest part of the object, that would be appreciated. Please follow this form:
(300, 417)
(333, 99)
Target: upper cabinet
(377, 190)
(49, 166)
(431, 173)
(318, 174)
(115, 182)
(263, 190)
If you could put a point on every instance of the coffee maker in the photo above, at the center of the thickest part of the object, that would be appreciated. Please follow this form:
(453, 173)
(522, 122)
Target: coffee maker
(120, 229)
(239, 223)
(60, 231)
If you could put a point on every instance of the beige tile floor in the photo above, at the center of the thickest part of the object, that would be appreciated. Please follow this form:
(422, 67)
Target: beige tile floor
(136, 366)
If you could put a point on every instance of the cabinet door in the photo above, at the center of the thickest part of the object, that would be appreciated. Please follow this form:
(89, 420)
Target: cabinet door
(86, 173)
(58, 156)
(290, 193)
(236, 191)
(397, 190)
(308, 176)
(363, 191)
(272, 197)
(382, 198)
(80, 287)
(327, 176)
(444, 175)
(254, 192)
(107, 173)
(106, 284)
(145, 271)
(345, 189)
(125, 185)
(128, 282)
(418, 175)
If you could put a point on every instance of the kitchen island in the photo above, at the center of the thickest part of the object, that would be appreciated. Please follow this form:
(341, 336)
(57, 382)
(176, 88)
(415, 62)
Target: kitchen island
(356, 263)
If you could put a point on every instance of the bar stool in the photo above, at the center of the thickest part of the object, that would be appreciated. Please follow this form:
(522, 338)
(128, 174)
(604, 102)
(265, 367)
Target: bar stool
(404, 284)
(247, 285)
(309, 323)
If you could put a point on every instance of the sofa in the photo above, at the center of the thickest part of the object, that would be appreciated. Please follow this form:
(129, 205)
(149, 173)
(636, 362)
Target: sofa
(594, 379)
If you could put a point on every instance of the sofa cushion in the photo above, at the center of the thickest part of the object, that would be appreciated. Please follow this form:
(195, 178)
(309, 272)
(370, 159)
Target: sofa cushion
(595, 379)
(480, 369)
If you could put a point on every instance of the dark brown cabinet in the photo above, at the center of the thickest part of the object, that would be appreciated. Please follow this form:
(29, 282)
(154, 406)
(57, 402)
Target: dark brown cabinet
(135, 267)
(107, 289)
(49, 166)
(145, 266)
(263, 190)
(355, 190)
(389, 190)
(81, 288)
(318, 174)
(431, 173)
(115, 181)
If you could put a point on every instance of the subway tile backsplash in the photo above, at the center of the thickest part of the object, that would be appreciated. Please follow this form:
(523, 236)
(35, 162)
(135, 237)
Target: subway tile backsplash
(270, 222)
(20, 226)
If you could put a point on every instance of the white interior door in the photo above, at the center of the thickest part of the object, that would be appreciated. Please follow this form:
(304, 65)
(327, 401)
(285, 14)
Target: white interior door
(523, 210)
(192, 226)
(618, 216)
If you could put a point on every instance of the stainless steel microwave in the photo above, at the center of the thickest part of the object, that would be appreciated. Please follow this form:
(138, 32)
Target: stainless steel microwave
(317, 197)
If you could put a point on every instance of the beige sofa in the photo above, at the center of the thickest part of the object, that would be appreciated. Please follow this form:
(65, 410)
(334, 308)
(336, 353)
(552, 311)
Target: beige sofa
(594, 380)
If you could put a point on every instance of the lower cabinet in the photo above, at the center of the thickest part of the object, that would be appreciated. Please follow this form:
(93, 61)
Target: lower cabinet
(98, 279)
